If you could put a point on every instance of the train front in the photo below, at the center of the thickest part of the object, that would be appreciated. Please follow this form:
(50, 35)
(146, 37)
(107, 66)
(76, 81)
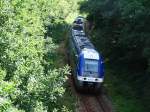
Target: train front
(90, 71)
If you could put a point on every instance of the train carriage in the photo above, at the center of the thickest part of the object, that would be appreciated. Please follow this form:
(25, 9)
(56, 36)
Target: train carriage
(86, 62)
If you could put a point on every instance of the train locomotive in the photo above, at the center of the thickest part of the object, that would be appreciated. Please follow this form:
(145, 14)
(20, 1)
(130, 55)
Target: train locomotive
(87, 64)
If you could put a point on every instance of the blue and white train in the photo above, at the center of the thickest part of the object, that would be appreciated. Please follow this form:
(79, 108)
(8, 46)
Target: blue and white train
(87, 64)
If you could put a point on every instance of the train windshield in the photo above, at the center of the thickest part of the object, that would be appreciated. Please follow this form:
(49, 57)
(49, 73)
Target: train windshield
(91, 65)
(77, 27)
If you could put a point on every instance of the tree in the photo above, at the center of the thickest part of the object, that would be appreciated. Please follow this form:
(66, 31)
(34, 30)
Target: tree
(27, 81)
(121, 33)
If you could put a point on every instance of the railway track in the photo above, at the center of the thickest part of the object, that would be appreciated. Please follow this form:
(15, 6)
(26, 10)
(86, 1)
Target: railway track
(90, 102)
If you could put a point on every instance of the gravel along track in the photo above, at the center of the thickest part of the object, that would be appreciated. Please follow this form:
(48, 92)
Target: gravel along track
(90, 102)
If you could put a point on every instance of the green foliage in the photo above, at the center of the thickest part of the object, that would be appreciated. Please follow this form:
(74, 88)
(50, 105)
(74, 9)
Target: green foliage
(121, 33)
(123, 96)
(6, 106)
(29, 79)
(2, 74)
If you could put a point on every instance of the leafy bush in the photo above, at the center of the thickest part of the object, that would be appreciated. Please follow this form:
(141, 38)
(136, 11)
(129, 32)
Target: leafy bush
(121, 33)
(29, 80)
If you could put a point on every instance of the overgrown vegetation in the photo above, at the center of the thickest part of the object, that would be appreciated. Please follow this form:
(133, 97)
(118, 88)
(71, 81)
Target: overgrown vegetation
(30, 80)
(120, 30)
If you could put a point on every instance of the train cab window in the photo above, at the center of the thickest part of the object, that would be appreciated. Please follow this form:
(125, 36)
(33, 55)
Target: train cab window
(91, 65)
(79, 21)
(77, 27)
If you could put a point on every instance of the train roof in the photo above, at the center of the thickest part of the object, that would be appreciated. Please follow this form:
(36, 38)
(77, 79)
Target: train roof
(79, 21)
(80, 18)
(82, 42)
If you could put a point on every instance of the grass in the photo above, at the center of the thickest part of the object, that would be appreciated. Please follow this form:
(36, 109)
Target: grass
(123, 96)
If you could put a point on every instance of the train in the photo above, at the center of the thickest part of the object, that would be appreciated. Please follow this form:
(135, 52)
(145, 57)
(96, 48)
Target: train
(86, 62)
